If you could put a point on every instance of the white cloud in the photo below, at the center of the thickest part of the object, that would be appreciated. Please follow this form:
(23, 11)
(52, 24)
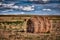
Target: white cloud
(7, 10)
(3, 0)
(22, 13)
(44, 0)
(7, 5)
(32, 6)
(0, 3)
(12, 6)
(46, 9)
(20, 7)
(16, 7)
(28, 8)
(30, 0)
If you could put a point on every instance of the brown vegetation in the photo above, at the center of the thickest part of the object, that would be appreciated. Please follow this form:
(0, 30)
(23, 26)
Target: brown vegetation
(30, 28)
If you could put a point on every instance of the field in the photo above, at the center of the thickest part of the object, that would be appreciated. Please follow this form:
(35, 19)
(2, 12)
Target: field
(14, 28)
(14, 35)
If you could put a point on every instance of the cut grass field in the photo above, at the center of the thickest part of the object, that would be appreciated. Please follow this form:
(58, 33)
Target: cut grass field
(13, 35)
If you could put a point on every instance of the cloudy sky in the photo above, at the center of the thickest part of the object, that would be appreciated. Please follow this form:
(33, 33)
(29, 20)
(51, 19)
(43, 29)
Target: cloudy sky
(16, 7)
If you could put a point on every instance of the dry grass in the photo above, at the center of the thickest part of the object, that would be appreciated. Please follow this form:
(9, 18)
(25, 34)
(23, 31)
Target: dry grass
(13, 35)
